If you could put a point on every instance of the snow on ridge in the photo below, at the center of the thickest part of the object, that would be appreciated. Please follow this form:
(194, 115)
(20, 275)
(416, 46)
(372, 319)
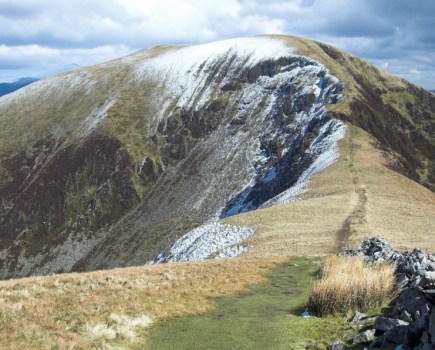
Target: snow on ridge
(43, 89)
(254, 48)
(213, 240)
(182, 71)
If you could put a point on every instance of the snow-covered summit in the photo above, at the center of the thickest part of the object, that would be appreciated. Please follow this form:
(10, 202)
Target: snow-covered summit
(251, 50)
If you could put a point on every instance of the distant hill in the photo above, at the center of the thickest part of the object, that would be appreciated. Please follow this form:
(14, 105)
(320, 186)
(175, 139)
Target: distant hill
(7, 88)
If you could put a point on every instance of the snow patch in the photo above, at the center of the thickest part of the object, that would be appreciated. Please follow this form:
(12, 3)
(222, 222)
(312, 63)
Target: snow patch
(214, 240)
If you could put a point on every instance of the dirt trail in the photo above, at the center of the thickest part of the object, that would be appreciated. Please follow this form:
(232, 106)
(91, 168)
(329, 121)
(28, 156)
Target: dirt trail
(358, 216)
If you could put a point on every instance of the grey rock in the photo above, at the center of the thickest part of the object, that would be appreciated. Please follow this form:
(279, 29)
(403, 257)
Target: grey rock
(337, 345)
(364, 337)
(425, 343)
(385, 323)
(402, 280)
(357, 316)
(416, 282)
(405, 316)
(432, 326)
(396, 335)
(366, 321)
(412, 301)
(373, 250)
(416, 329)
(381, 343)
(429, 277)
(377, 343)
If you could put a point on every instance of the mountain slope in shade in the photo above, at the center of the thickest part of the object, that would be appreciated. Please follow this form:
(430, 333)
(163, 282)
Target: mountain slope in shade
(7, 88)
(107, 166)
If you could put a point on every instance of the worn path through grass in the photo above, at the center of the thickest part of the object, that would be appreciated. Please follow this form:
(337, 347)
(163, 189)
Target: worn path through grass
(267, 316)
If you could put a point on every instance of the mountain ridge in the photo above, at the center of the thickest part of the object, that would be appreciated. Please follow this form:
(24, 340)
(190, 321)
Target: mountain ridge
(127, 144)
(7, 88)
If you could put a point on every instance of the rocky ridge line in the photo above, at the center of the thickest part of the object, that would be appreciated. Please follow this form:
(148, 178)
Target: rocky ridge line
(411, 324)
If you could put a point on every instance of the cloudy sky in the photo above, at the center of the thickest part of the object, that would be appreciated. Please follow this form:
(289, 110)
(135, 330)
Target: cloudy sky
(41, 37)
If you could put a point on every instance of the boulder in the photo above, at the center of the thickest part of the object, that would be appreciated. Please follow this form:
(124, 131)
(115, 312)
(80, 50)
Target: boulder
(432, 326)
(337, 345)
(404, 316)
(357, 316)
(373, 250)
(364, 337)
(415, 282)
(425, 342)
(428, 278)
(396, 335)
(416, 330)
(412, 301)
(402, 280)
(385, 323)
(430, 296)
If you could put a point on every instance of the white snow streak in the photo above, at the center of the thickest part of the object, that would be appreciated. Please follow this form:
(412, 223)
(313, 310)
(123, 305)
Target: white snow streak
(96, 117)
(183, 71)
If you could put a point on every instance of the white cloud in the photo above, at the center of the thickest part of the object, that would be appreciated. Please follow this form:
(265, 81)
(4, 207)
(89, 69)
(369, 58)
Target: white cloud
(38, 61)
(372, 29)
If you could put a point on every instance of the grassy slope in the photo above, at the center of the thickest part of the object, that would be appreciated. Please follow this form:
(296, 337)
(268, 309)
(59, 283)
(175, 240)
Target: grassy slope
(54, 311)
(354, 199)
(265, 317)
(71, 310)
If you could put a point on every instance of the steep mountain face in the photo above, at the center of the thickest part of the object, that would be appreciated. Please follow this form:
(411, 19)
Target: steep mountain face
(107, 166)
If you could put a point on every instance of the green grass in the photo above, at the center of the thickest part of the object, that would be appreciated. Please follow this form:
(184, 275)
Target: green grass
(266, 317)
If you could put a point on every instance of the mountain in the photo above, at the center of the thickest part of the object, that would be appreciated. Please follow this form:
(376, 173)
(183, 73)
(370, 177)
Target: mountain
(6, 88)
(270, 145)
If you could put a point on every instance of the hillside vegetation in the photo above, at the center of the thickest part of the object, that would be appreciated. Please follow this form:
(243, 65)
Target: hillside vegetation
(85, 310)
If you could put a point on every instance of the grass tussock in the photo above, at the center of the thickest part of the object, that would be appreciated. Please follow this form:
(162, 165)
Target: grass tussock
(349, 284)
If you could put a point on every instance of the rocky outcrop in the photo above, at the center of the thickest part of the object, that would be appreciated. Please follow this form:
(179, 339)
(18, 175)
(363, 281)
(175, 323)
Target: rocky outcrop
(412, 319)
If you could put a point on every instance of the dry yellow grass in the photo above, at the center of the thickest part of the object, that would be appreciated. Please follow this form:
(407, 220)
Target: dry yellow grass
(354, 199)
(84, 310)
(348, 284)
